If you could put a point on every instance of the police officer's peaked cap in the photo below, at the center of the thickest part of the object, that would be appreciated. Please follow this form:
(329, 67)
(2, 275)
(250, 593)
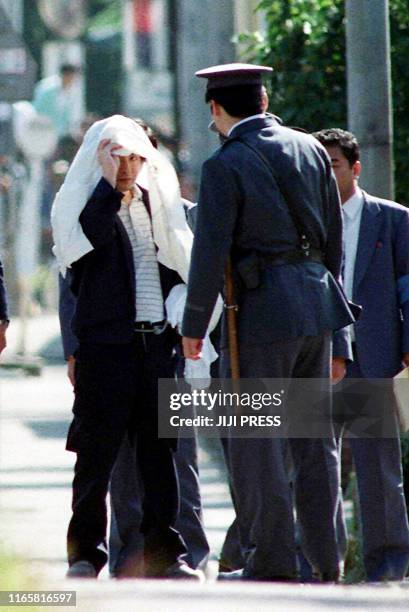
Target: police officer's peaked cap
(229, 75)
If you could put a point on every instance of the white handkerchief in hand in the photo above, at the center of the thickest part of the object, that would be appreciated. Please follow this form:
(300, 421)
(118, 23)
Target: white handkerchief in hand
(197, 373)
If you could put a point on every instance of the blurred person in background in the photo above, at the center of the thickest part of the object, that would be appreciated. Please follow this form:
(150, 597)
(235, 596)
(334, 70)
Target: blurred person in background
(13, 177)
(58, 97)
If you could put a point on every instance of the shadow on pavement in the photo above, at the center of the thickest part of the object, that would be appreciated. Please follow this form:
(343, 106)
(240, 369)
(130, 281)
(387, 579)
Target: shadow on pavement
(30, 469)
(49, 429)
(52, 352)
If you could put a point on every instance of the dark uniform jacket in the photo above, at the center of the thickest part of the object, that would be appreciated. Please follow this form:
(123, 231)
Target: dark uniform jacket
(103, 281)
(242, 208)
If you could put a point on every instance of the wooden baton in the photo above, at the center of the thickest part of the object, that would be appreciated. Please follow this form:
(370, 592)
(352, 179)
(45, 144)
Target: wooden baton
(232, 308)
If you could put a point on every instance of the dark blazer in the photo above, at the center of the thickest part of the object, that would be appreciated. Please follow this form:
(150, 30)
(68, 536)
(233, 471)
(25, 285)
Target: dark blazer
(103, 281)
(241, 204)
(66, 309)
(3, 299)
(381, 286)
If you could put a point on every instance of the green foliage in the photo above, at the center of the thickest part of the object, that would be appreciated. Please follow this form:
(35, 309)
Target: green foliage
(307, 52)
(96, 6)
(103, 58)
(305, 43)
(35, 32)
(399, 24)
(105, 14)
(354, 570)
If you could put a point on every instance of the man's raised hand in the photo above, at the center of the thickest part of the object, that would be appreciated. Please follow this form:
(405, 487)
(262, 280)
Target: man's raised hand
(108, 161)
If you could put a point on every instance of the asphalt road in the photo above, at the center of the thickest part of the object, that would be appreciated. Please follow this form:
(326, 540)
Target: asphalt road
(35, 494)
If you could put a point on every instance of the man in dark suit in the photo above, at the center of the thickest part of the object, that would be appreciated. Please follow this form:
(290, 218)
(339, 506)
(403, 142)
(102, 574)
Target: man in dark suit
(269, 194)
(376, 275)
(120, 357)
(4, 322)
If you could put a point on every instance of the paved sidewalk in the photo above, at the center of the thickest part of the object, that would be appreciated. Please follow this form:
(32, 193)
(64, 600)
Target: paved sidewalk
(35, 481)
(35, 469)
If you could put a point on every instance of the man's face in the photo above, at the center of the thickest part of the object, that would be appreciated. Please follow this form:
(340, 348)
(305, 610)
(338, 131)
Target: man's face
(345, 174)
(129, 168)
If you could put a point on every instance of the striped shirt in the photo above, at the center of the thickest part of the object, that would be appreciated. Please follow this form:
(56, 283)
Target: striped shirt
(149, 297)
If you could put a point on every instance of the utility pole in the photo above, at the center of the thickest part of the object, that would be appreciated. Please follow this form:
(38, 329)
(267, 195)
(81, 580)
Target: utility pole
(370, 91)
(173, 12)
(37, 138)
(205, 35)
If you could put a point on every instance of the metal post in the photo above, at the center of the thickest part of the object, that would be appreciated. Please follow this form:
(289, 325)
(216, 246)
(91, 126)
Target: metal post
(28, 245)
(206, 30)
(173, 57)
(369, 91)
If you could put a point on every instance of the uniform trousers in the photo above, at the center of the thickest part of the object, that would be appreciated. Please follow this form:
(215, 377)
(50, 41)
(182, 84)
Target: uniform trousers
(116, 395)
(232, 554)
(259, 477)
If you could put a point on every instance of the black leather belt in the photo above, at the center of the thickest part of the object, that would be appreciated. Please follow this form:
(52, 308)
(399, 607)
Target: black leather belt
(292, 257)
(147, 327)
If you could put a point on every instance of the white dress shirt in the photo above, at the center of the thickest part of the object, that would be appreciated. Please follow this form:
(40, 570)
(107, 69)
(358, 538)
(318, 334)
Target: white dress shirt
(351, 213)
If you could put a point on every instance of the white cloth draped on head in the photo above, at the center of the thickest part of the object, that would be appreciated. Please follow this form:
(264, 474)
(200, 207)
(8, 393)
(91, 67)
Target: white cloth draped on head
(171, 233)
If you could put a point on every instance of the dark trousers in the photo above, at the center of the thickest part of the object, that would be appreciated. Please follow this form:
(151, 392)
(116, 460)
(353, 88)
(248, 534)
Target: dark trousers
(126, 542)
(378, 469)
(116, 394)
(259, 478)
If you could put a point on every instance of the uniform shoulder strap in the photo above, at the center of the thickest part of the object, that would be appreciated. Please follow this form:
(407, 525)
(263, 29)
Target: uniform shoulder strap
(305, 243)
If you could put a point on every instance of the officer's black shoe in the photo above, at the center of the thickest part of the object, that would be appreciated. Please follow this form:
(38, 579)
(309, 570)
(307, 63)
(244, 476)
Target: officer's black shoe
(332, 576)
(224, 569)
(181, 571)
(81, 569)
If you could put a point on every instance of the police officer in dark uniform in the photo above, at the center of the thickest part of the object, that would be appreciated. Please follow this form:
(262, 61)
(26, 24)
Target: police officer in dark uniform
(268, 196)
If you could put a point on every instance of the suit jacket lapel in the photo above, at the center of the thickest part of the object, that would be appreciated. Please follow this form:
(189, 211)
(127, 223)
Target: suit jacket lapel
(371, 220)
(126, 244)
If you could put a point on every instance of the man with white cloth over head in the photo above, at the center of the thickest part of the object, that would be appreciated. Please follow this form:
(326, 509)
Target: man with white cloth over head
(127, 250)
